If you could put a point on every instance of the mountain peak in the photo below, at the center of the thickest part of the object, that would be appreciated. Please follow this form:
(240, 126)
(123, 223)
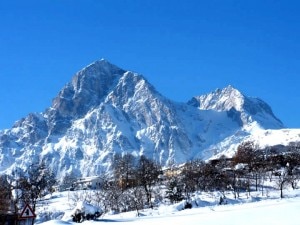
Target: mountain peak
(220, 100)
(230, 98)
(103, 61)
(99, 66)
(86, 90)
(229, 89)
(89, 85)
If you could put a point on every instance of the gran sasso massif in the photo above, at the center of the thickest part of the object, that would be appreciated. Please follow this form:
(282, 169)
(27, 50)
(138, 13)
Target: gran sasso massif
(106, 110)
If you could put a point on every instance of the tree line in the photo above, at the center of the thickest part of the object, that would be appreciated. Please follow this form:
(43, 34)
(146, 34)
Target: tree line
(130, 186)
(247, 170)
(141, 184)
(136, 184)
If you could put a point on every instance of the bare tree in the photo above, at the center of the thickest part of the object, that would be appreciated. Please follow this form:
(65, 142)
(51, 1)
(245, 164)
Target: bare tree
(246, 153)
(111, 196)
(292, 163)
(138, 199)
(283, 179)
(124, 170)
(147, 176)
(37, 182)
(189, 178)
(5, 195)
(174, 190)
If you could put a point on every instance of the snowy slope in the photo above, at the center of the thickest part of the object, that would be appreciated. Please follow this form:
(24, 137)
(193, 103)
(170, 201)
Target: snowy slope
(106, 110)
(261, 137)
(253, 210)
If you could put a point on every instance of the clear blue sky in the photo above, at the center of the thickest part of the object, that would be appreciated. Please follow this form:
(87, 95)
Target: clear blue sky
(184, 48)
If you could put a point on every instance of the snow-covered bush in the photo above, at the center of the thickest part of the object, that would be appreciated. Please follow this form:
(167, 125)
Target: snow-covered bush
(85, 211)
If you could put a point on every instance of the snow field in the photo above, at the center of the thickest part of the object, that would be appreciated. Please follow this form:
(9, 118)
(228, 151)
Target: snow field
(246, 210)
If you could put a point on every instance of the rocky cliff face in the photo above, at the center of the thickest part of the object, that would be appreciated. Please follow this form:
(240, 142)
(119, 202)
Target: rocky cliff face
(106, 110)
(86, 90)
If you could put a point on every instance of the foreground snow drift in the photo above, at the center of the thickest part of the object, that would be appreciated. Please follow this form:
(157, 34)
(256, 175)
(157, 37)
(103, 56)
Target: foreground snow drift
(273, 212)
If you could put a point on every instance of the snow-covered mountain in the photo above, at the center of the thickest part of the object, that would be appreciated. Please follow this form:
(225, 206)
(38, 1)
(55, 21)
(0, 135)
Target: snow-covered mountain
(106, 110)
(247, 110)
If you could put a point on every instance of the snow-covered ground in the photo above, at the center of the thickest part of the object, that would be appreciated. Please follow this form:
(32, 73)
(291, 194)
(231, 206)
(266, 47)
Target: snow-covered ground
(253, 209)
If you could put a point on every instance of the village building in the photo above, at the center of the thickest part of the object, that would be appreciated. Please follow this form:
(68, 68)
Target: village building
(91, 183)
